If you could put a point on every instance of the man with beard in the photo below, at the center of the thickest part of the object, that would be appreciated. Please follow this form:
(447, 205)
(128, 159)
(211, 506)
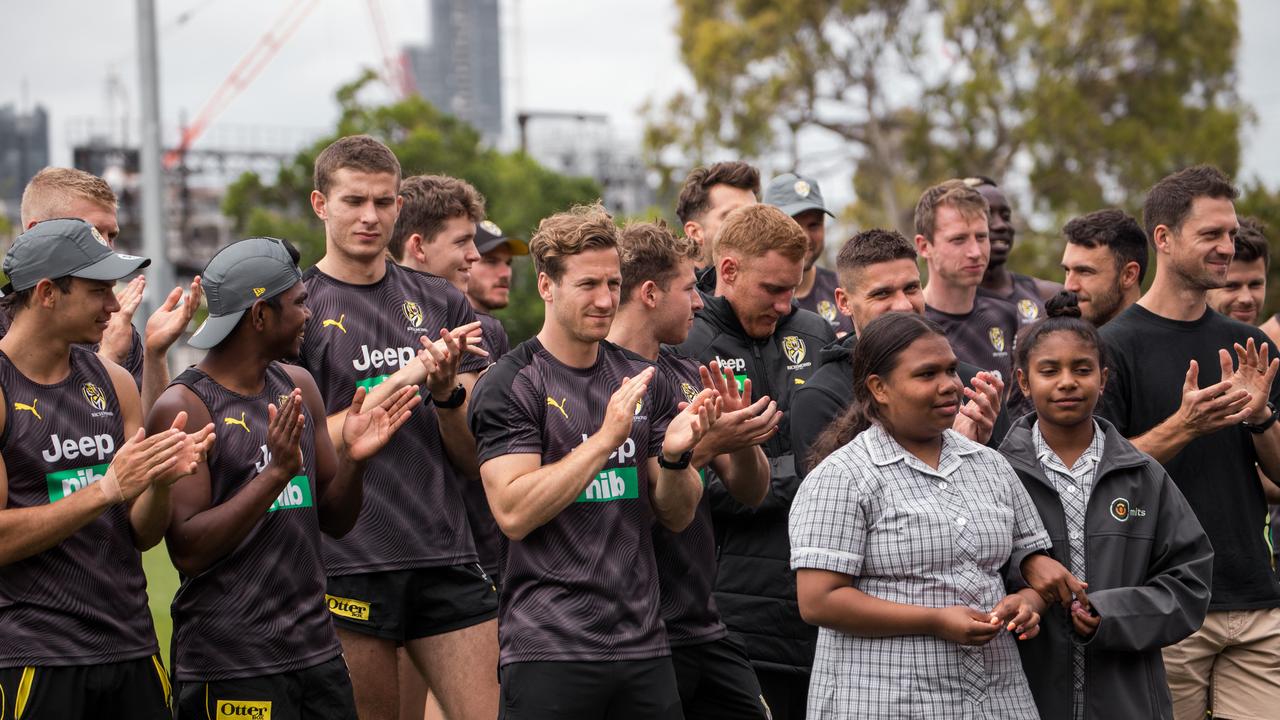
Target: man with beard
(489, 288)
(1025, 293)
(1105, 261)
(1245, 293)
(801, 198)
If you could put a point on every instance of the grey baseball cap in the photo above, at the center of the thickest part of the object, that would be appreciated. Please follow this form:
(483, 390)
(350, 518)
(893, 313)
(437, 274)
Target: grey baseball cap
(238, 276)
(794, 194)
(489, 236)
(62, 247)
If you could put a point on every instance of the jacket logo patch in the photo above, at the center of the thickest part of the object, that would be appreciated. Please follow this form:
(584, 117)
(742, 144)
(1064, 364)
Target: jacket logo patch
(996, 335)
(1121, 510)
(794, 348)
(412, 312)
(560, 405)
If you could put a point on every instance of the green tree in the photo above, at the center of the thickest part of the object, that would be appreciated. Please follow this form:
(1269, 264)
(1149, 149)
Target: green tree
(1090, 101)
(518, 191)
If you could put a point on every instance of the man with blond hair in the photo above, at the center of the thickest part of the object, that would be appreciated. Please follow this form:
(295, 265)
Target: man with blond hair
(57, 192)
(582, 447)
(752, 327)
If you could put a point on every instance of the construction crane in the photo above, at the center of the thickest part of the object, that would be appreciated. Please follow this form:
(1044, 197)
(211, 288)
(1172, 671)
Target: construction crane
(394, 73)
(241, 75)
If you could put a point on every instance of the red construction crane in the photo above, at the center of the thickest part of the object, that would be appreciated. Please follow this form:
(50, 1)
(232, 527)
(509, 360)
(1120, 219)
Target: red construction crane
(393, 71)
(242, 75)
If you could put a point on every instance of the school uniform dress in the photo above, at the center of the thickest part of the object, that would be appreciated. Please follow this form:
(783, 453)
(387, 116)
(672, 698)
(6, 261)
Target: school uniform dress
(910, 534)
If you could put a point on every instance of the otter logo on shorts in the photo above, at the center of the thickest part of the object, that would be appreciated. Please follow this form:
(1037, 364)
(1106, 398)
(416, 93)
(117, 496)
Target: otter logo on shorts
(794, 348)
(827, 310)
(412, 312)
(1028, 310)
(93, 395)
(242, 709)
(348, 608)
(996, 335)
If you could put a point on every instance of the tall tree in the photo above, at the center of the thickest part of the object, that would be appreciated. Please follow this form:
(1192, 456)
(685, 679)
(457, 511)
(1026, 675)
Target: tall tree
(518, 191)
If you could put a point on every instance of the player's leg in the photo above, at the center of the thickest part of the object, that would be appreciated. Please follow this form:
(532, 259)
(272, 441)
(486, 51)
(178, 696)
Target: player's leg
(1188, 665)
(1245, 683)
(413, 688)
(646, 690)
(369, 614)
(728, 688)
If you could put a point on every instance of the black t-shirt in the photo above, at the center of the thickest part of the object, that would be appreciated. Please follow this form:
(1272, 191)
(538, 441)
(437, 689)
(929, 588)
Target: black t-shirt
(583, 586)
(1024, 297)
(1149, 355)
(822, 300)
(984, 336)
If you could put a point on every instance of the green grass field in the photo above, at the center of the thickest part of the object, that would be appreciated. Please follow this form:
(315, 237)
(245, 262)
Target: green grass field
(162, 583)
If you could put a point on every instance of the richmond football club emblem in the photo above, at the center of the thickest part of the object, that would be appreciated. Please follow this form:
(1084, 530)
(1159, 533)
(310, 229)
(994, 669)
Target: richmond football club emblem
(802, 188)
(689, 392)
(639, 406)
(1028, 310)
(491, 227)
(412, 312)
(827, 310)
(997, 338)
(93, 395)
(794, 348)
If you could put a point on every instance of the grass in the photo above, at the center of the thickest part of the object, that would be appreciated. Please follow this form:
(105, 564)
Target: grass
(162, 583)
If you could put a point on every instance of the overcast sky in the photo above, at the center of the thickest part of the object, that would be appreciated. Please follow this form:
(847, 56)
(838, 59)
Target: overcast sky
(560, 55)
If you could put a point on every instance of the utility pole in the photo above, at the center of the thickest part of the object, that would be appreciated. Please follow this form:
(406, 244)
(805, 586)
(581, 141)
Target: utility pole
(160, 278)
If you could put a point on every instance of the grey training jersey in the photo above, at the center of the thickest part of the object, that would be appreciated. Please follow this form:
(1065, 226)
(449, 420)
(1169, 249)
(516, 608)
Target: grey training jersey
(84, 600)
(984, 336)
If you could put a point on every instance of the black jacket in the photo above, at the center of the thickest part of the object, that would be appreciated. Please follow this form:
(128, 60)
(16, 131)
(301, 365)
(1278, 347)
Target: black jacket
(755, 587)
(1148, 578)
(828, 393)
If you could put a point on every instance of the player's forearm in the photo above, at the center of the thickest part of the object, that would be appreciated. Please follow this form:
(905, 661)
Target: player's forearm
(29, 531)
(854, 612)
(459, 443)
(675, 497)
(341, 497)
(1165, 440)
(197, 542)
(745, 474)
(1267, 446)
(155, 378)
(149, 516)
(529, 501)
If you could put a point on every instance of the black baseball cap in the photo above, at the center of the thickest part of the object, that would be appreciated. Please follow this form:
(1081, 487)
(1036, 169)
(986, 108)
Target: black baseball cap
(489, 236)
(241, 274)
(65, 247)
(794, 194)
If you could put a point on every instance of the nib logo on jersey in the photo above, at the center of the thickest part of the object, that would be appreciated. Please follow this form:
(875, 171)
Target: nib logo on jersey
(390, 359)
(64, 482)
(296, 494)
(738, 366)
(614, 483)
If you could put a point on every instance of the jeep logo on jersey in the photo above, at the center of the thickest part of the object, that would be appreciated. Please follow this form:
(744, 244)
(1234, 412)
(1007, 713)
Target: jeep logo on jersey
(96, 446)
(624, 453)
(241, 709)
(394, 358)
(794, 348)
(65, 482)
(93, 396)
(412, 312)
(612, 484)
(1028, 310)
(348, 608)
(827, 310)
(689, 392)
(996, 335)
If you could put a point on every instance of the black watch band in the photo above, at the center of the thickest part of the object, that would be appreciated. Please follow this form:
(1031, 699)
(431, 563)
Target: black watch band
(680, 464)
(1265, 424)
(455, 400)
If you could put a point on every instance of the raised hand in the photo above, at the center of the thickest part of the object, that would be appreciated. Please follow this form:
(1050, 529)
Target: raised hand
(139, 462)
(977, 418)
(284, 435)
(1221, 405)
(168, 322)
(365, 432)
(117, 338)
(193, 451)
(621, 411)
(964, 625)
(691, 424)
(1253, 374)
(440, 358)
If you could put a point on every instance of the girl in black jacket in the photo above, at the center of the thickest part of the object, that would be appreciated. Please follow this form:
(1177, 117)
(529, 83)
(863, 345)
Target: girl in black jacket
(1117, 521)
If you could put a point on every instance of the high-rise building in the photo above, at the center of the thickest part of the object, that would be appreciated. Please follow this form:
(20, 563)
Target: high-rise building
(460, 70)
(24, 150)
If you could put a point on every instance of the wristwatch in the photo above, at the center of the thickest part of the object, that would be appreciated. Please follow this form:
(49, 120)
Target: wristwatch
(455, 400)
(1262, 426)
(680, 464)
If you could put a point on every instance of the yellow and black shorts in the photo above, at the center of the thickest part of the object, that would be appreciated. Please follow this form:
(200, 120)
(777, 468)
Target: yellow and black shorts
(108, 691)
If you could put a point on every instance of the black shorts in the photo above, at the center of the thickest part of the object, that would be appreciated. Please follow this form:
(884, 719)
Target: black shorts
(716, 680)
(322, 692)
(404, 605)
(109, 691)
(639, 689)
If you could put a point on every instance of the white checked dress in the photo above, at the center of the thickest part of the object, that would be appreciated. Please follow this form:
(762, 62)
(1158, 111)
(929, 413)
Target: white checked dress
(914, 535)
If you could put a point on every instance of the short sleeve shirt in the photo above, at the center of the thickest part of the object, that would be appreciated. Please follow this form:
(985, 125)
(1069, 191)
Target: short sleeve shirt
(984, 336)
(910, 534)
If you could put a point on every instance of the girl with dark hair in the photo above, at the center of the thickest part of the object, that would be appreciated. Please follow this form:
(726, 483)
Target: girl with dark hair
(900, 538)
(1116, 520)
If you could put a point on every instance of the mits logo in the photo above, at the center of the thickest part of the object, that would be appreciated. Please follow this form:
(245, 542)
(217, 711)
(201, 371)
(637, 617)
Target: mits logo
(1121, 510)
(243, 710)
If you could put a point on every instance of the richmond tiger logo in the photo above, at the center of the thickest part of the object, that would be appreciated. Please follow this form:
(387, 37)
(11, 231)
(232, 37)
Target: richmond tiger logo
(794, 348)
(93, 395)
(996, 335)
(412, 312)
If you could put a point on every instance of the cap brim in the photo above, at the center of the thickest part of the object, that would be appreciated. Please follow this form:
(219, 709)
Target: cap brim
(112, 267)
(795, 209)
(515, 245)
(215, 329)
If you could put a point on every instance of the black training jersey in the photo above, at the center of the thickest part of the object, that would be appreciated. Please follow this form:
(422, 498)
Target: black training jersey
(490, 542)
(984, 336)
(687, 560)
(413, 513)
(583, 586)
(495, 336)
(1025, 298)
(132, 363)
(260, 610)
(822, 300)
(84, 600)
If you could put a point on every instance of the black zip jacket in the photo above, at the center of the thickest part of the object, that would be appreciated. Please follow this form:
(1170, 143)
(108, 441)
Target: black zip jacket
(828, 393)
(755, 586)
(1148, 576)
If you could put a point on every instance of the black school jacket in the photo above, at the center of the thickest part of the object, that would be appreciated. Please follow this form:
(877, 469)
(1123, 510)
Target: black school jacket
(755, 587)
(1149, 564)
